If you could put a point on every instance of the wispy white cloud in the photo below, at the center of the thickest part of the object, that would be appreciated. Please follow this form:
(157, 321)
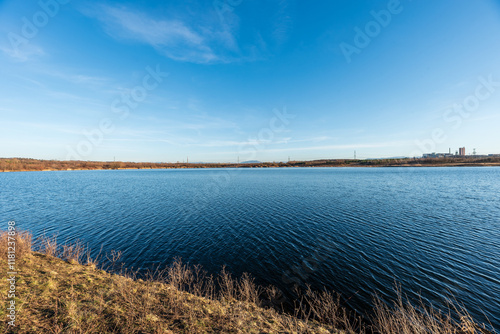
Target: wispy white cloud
(24, 53)
(485, 118)
(283, 22)
(192, 122)
(80, 79)
(313, 139)
(46, 127)
(265, 149)
(172, 37)
(213, 143)
(31, 81)
(59, 95)
(212, 38)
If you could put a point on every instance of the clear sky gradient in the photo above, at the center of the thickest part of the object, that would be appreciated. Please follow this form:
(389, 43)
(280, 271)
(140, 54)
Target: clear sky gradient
(259, 80)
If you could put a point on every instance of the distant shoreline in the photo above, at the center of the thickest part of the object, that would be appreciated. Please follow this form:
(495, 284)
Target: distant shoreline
(31, 165)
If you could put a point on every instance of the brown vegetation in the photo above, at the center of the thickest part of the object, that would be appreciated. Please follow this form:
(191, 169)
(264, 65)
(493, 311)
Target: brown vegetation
(22, 164)
(60, 290)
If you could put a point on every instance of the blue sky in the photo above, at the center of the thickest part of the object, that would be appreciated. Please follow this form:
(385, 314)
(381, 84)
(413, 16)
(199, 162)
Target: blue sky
(265, 80)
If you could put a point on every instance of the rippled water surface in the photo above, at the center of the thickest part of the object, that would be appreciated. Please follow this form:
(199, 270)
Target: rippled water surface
(356, 230)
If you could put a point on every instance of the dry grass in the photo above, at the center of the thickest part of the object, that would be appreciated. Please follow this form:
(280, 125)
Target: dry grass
(57, 293)
(74, 252)
(23, 244)
(407, 318)
(326, 308)
(61, 291)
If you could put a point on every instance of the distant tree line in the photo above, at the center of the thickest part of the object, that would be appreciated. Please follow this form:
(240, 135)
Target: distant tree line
(24, 164)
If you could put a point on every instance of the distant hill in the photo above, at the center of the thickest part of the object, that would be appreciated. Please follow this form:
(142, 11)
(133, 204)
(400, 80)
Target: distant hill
(251, 162)
(389, 158)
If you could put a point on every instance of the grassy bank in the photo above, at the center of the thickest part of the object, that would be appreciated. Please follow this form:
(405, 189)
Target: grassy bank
(22, 164)
(60, 289)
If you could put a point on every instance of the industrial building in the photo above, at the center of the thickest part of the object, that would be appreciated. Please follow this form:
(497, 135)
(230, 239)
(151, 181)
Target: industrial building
(460, 152)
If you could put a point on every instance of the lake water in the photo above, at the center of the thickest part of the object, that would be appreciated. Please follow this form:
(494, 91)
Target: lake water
(436, 231)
